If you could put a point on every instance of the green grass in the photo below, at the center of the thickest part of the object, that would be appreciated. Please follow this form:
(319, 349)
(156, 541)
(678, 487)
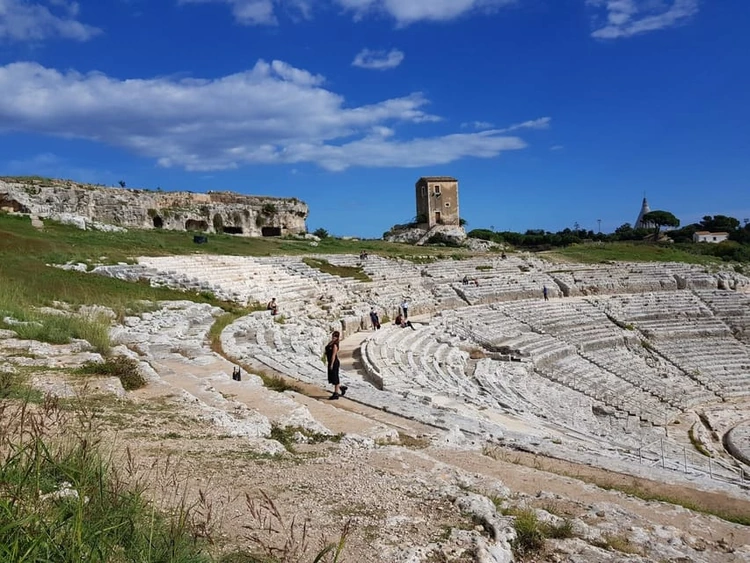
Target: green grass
(529, 534)
(342, 271)
(124, 368)
(627, 252)
(28, 282)
(25, 253)
(214, 333)
(13, 386)
(285, 436)
(62, 501)
(276, 382)
(50, 327)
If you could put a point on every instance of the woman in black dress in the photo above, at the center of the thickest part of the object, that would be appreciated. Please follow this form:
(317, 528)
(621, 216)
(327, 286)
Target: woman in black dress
(332, 355)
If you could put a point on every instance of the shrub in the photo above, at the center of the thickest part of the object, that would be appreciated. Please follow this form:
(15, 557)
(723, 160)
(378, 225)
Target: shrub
(124, 368)
(321, 233)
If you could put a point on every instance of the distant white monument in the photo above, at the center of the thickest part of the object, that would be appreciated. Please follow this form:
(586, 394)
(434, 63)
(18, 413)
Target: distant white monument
(640, 223)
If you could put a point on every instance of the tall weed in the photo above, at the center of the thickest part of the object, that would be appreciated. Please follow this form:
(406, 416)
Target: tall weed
(62, 501)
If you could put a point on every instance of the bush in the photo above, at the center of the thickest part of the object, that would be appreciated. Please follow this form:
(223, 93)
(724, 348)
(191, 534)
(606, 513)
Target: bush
(124, 368)
(321, 233)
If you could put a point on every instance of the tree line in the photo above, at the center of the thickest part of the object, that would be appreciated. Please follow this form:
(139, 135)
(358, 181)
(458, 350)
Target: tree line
(736, 248)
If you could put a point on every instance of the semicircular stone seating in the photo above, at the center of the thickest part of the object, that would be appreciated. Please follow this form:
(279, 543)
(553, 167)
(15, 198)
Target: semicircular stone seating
(646, 340)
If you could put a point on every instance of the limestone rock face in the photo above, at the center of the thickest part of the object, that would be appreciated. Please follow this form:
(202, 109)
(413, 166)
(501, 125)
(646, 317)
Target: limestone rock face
(419, 235)
(212, 212)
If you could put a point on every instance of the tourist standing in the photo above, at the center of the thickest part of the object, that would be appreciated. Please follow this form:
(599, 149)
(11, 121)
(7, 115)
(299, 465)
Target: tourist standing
(544, 293)
(405, 308)
(332, 356)
(374, 319)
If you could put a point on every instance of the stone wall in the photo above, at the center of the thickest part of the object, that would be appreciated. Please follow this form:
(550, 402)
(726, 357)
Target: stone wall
(210, 212)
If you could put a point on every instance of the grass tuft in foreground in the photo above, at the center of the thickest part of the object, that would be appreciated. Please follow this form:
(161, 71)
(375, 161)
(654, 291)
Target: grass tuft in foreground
(62, 501)
(281, 539)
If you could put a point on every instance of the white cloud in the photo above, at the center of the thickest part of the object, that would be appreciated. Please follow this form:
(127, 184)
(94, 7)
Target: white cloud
(625, 18)
(411, 11)
(378, 60)
(376, 151)
(35, 21)
(476, 125)
(246, 12)
(261, 12)
(405, 12)
(541, 123)
(271, 114)
(556, 147)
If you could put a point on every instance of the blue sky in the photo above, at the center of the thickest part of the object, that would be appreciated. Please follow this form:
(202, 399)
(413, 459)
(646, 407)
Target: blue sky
(549, 112)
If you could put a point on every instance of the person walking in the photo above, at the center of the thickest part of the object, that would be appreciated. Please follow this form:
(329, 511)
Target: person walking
(544, 293)
(332, 356)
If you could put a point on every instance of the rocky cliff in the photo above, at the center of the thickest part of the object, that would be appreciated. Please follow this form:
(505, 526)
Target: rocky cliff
(212, 212)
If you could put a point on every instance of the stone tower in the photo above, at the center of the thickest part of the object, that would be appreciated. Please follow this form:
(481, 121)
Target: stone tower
(437, 201)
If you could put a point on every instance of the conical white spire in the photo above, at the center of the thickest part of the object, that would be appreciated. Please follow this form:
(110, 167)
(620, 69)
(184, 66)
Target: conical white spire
(639, 224)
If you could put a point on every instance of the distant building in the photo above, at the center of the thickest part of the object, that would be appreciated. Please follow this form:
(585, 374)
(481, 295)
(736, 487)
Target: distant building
(640, 223)
(706, 236)
(437, 201)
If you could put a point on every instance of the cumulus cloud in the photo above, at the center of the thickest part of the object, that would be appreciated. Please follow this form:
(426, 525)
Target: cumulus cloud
(36, 21)
(246, 12)
(405, 12)
(271, 114)
(378, 60)
(411, 11)
(625, 18)
(261, 12)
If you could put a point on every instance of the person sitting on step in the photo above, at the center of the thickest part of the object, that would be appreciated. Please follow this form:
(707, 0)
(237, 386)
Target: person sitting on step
(273, 306)
(403, 323)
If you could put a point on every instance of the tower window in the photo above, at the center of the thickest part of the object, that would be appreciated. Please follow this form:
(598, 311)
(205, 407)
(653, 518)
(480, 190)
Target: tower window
(436, 190)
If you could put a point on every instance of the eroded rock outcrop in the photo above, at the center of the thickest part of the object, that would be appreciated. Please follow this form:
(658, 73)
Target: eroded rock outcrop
(212, 212)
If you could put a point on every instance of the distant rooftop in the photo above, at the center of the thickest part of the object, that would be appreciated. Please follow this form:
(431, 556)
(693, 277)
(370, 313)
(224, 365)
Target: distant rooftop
(438, 179)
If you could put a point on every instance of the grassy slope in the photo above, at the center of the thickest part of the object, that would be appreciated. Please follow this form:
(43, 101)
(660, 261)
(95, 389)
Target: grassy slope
(626, 252)
(26, 280)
